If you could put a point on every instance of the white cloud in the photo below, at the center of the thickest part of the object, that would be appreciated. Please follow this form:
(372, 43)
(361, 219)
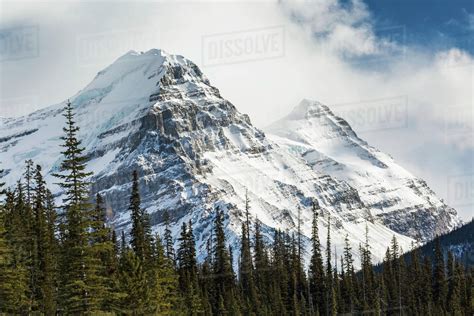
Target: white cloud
(331, 53)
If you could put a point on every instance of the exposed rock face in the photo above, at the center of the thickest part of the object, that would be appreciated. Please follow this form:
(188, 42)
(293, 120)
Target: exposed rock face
(391, 195)
(158, 114)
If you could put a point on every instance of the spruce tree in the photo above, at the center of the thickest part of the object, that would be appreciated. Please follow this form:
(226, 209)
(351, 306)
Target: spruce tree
(44, 276)
(163, 282)
(439, 279)
(416, 276)
(454, 286)
(134, 282)
(76, 271)
(262, 266)
(139, 240)
(168, 237)
(187, 271)
(246, 271)
(28, 176)
(331, 300)
(368, 278)
(302, 285)
(2, 184)
(223, 296)
(246, 267)
(316, 269)
(349, 279)
(101, 258)
(13, 276)
(426, 287)
(280, 279)
(20, 234)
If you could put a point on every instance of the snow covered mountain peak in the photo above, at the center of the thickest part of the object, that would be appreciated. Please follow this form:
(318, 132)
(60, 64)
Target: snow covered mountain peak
(194, 151)
(137, 75)
(306, 109)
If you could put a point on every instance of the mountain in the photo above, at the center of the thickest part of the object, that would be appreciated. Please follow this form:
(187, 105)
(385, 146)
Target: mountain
(390, 194)
(158, 114)
(459, 241)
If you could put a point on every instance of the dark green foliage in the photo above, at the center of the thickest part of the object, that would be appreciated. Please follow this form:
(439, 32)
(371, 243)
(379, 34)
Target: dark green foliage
(439, 280)
(246, 266)
(168, 238)
(13, 274)
(316, 269)
(45, 245)
(141, 231)
(2, 184)
(223, 298)
(70, 262)
(188, 272)
(77, 264)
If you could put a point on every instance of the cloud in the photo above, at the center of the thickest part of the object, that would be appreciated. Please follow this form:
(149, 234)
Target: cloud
(329, 51)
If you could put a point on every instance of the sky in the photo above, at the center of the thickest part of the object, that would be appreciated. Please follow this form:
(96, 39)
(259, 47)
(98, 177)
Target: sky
(400, 72)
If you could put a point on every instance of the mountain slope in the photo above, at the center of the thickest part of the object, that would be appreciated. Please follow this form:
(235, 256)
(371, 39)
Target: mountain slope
(459, 241)
(157, 113)
(391, 194)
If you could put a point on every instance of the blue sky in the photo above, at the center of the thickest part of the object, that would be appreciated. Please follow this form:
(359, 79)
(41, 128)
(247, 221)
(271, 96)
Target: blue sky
(435, 24)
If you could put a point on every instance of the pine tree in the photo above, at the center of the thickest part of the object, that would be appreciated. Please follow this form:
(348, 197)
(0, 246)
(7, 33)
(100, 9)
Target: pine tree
(73, 166)
(262, 265)
(454, 286)
(331, 300)
(28, 176)
(223, 296)
(13, 276)
(439, 279)
(466, 289)
(101, 259)
(368, 279)
(426, 287)
(140, 239)
(416, 277)
(164, 282)
(187, 271)
(134, 282)
(294, 306)
(349, 277)
(20, 234)
(280, 279)
(316, 269)
(44, 269)
(246, 271)
(2, 184)
(246, 267)
(75, 268)
(302, 284)
(168, 237)
(395, 271)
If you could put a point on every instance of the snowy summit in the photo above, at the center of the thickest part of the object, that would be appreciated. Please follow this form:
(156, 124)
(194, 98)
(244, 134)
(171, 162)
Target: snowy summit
(194, 151)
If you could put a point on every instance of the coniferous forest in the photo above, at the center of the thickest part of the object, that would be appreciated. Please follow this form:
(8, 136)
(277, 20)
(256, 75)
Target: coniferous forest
(66, 259)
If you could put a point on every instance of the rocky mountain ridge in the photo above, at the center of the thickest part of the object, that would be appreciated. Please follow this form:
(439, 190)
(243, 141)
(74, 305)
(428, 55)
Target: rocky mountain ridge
(157, 113)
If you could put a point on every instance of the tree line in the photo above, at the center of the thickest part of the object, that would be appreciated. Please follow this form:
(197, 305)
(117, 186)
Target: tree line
(68, 260)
